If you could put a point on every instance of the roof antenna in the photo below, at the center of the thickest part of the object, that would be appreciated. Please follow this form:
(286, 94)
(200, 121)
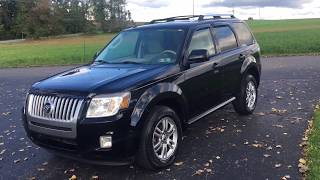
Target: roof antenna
(192, 7)
(233, 9)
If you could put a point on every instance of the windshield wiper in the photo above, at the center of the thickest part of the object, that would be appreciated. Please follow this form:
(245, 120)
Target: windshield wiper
(129, 62)
(101, 62)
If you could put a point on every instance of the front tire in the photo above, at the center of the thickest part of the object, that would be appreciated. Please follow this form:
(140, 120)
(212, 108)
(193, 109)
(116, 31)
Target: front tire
(246, 99)
(160, 140)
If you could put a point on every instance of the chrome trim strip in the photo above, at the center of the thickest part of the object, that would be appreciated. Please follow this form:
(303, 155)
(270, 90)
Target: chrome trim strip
(66, 113)
(194, 119)
(65, 108)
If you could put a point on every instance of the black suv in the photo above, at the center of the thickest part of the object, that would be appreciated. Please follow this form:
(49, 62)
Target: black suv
(134, 100)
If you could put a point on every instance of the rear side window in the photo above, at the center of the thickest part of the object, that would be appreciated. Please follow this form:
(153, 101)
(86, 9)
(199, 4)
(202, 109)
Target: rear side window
(202, 39)
(226, 38)
(243, 33)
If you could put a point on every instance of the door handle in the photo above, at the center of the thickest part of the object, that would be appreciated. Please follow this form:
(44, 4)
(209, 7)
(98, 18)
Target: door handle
(215, 69)
(242, 57)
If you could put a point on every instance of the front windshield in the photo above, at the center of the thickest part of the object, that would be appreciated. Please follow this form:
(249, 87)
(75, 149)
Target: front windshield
(148, 46)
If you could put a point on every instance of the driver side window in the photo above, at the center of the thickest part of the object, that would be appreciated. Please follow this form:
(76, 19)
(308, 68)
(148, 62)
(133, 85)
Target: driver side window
(202, 39)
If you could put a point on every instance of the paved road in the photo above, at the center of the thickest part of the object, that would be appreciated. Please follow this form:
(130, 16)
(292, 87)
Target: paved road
(261, 146)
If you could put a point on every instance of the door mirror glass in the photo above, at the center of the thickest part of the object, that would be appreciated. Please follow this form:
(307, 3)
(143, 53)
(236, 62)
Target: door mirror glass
(198, 55)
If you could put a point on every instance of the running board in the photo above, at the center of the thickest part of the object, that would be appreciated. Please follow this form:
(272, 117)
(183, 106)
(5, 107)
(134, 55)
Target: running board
(210, 111)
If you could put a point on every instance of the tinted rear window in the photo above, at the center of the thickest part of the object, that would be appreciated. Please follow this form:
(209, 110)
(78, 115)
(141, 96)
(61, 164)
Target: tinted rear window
(226, 38)
(243, 33)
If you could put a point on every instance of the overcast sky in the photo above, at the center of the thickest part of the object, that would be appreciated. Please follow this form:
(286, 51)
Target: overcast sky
(146, 10)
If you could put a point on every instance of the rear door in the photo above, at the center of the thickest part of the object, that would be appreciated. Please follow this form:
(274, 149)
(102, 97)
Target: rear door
(231, 57)
(201, 79)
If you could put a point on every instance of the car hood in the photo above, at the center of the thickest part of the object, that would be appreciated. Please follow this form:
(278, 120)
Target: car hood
(102, 78)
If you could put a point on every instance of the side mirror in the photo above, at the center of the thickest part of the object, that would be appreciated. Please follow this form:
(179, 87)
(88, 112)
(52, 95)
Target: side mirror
(198, 56)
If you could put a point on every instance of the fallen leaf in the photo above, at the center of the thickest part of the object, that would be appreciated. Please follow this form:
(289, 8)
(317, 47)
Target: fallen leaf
(261, 114)
(277, 165)
(278, 111)
(257, 145)
(3, 151)
(303, 144)
(41, 169)
(95, 177)
(267, 155)
(198, 172)
(6, 113)
(278, 126)
(178, 163)
(286, 177)
(303, 168)
(302, 161)
(73, 177)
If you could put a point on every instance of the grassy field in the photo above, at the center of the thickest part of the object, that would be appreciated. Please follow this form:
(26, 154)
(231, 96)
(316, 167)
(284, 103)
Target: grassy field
(313, 149)
(73, 50)
(276, 37)
(288, 37)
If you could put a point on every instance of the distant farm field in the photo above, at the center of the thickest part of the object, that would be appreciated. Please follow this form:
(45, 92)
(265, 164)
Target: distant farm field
(62, 51)
(287, 37)
(276, 37)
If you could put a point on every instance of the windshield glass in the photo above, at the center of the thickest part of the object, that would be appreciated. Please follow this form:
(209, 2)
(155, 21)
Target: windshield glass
(148, 46)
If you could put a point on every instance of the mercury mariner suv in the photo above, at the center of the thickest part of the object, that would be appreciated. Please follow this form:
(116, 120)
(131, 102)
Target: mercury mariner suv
(133, 101)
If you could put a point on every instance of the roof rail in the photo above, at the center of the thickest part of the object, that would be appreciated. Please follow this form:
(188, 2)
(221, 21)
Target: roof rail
(189, 17)
(216, 16)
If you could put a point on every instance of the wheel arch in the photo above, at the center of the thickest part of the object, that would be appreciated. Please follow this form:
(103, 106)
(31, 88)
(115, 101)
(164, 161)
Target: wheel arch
(166, 94)
(250, 66)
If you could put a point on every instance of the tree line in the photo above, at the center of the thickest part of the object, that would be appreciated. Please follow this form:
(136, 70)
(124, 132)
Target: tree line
(42, 18)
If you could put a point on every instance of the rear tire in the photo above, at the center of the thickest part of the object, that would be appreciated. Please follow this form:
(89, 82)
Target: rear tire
(246, 99)
(160, 139)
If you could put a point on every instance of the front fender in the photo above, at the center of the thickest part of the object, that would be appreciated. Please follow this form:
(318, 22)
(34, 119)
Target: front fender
(152, 96)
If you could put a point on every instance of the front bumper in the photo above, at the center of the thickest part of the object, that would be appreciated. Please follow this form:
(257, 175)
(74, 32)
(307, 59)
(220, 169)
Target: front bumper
(86, 146)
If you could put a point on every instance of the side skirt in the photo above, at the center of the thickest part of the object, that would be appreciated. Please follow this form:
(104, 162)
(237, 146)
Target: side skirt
(196, 118)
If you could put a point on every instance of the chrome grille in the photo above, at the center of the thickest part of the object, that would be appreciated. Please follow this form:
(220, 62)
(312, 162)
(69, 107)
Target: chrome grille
(61, 108)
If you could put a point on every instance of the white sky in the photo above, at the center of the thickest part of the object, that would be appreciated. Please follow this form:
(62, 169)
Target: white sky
(146, 10)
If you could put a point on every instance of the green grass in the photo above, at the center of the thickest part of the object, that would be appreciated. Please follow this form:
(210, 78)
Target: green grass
(276, 38)
(61, 51)
(287, 37)
(313, 149)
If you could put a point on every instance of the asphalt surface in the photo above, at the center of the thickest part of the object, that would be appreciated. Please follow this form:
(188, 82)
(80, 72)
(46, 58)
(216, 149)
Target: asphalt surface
(222, 145)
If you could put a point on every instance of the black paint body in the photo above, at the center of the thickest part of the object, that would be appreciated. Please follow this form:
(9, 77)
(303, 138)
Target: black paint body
(188, 89)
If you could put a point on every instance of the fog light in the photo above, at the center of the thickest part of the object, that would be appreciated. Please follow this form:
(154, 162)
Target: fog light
(105, 141)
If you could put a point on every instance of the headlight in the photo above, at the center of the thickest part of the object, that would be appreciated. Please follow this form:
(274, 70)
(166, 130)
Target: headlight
(108, 105)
